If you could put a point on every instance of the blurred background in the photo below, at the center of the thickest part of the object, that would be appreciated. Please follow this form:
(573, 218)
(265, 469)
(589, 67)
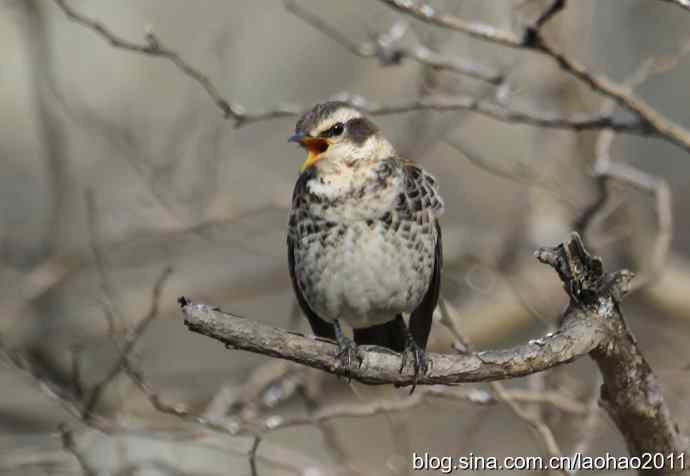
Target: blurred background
(123, 187)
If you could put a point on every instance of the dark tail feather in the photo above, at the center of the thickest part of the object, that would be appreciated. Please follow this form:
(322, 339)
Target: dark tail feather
(390, 335)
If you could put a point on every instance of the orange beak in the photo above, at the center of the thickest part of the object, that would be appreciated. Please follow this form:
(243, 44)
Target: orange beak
(315, 147)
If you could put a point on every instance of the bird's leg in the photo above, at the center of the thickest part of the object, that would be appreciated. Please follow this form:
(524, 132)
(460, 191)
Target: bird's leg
(421, 363)
(347, 349)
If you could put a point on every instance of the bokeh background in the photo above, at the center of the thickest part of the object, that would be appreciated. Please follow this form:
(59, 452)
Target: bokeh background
(116, 166)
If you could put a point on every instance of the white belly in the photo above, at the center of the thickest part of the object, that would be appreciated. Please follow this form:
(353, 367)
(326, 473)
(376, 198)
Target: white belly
(365, 274)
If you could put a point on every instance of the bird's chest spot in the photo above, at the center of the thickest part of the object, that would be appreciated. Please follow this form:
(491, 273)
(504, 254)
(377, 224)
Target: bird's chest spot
(365, 272)
(368, 201)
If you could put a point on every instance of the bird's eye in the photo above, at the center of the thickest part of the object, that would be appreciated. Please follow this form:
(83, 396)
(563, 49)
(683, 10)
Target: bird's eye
(336, 130)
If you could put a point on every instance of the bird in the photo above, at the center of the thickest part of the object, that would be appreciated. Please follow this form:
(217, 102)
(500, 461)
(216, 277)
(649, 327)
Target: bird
(364, 239)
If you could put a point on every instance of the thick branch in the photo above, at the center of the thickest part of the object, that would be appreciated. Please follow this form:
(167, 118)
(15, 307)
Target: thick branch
(592, 324)
(578, 336)
(630, 394)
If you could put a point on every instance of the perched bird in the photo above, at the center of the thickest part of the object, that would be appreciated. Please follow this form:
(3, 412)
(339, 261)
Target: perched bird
(364, 242)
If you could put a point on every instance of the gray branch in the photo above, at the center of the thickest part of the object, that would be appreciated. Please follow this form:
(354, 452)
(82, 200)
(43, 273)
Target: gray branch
(575, 338)
(592, 324)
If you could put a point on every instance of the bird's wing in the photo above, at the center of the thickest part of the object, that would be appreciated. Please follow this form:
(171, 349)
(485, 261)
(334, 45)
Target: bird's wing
(421, 191)
(422, 317)
(422, 197)
(320, 327)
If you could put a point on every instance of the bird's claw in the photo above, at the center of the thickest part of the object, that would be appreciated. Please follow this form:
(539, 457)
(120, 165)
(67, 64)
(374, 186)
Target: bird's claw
(347, 354)
(421, 363)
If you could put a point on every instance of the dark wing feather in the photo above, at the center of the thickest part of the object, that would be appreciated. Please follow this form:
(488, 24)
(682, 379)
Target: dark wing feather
(422, 317)
(424, 200)
(320, 327)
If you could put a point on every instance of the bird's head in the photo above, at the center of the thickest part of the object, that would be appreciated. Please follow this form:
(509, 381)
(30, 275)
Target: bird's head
(335, 135)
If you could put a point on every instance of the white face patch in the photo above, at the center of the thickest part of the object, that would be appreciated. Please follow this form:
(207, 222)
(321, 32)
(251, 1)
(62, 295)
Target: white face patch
(346, 166)
(343, 115)
(374, 148)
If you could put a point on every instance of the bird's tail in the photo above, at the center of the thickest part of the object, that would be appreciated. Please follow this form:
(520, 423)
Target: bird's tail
(391, 335)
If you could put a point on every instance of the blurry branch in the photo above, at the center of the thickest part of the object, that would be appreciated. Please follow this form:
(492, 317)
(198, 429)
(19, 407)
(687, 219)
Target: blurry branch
(252, 456)
(659, 189)
(498, 111)
(533, 419)
(178, 410)
(127, 345)
(491, 109)
(684, 4)
(107, 292)
(605, 169)
(482, 31)
(69, 444)
(670, 293)
(154, 47)
(473, 396)
(389, 50)
(532, 39)
(592, 324)
(588, 429)
(647, 121)
(22, 366)
(51, 129)
(76, 352)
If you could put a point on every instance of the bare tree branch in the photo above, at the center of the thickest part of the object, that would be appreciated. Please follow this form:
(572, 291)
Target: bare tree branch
(534, 421)
(648, 121)
(533, 40)
(684, 4)
(481, 31)
(128, 345)
(388, 49)
(630, 393)
(592, 324)
(605, 168)
(575, 338)
(154, 47)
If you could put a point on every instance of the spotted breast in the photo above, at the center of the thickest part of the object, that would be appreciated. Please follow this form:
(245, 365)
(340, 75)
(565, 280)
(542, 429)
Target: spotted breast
(367, 252)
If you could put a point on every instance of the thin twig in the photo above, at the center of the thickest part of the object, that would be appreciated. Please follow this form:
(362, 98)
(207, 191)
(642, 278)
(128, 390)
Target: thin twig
(68, 443)
(684, 4)
(128, 345)
(388, 49)
(154, 47)
(647, 123)
(588, 430)
(534, 421)
(533, 40)
(252, 455)
(502, 394)
(605, 168)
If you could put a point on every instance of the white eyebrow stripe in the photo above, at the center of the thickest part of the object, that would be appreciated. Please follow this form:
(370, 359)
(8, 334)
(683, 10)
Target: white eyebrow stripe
(343, 115)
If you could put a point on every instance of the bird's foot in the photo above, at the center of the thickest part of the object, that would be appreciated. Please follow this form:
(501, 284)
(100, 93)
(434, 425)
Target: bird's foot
(347, 355)
(421, 363)
(347, 351)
